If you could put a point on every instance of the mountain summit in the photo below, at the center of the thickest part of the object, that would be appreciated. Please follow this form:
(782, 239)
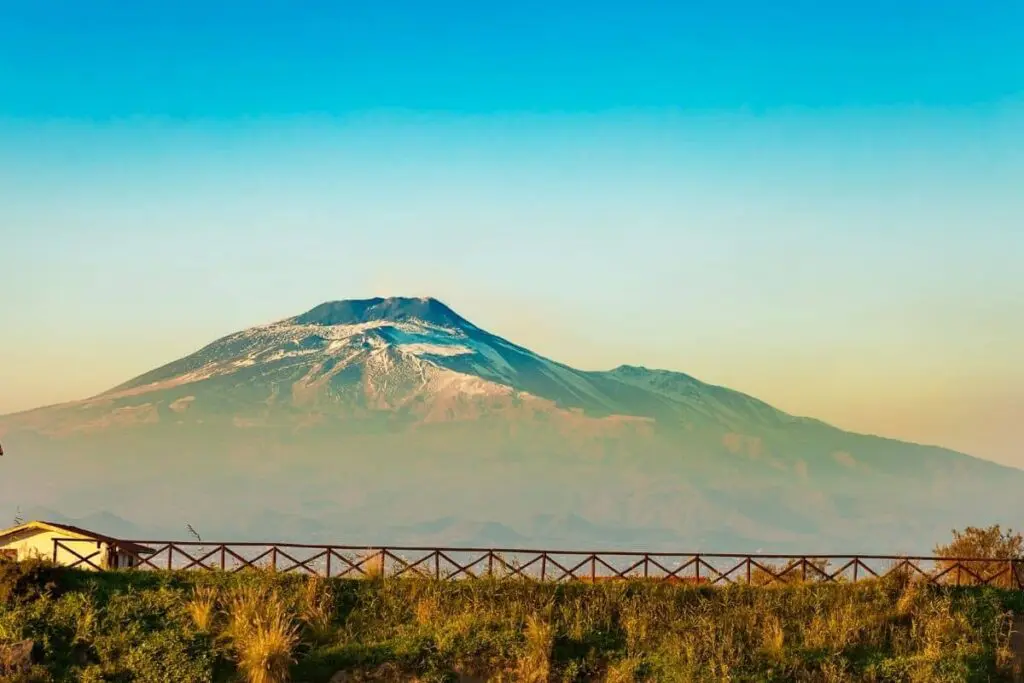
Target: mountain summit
(393, 309)
(389, 413)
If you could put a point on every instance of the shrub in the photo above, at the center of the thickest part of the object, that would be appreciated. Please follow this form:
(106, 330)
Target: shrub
(991, 543)
(26, 580)
(133, 635)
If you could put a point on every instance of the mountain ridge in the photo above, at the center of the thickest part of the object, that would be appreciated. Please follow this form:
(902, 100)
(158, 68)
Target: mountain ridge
(433, 310)
(354, 403)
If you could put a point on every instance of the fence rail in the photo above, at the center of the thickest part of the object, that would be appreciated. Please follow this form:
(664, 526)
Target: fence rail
(338, 561)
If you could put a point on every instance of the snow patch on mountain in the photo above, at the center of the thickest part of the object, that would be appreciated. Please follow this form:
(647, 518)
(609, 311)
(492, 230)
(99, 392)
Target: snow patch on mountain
(424, 349)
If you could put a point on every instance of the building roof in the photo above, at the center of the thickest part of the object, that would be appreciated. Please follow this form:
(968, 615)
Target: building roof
(126, 546)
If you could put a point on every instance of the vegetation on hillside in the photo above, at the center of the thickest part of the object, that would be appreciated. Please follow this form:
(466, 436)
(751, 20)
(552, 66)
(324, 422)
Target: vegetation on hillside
(265, 628)
(1002, 547)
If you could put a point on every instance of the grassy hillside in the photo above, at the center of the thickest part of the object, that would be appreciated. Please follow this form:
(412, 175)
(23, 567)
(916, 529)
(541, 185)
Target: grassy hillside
(154, 626)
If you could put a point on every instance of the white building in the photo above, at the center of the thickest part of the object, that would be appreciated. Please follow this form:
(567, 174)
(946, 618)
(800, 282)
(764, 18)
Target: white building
(68, 545)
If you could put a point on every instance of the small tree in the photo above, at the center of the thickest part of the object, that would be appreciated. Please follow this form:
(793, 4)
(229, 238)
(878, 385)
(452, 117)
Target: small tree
(1000, 547)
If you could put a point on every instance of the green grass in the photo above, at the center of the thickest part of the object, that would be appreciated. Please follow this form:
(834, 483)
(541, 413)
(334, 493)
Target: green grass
(190, 626)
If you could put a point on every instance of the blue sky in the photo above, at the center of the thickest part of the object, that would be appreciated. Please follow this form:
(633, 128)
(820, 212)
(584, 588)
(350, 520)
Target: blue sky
(817, 203)
(225, 60)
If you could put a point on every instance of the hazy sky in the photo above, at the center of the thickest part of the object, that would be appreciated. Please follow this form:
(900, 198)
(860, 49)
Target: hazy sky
(819, 204)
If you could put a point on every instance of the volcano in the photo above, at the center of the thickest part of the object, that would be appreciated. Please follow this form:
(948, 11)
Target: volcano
(396, 420)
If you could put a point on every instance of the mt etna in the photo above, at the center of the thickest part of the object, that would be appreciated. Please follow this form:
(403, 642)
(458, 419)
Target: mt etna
(398, 421)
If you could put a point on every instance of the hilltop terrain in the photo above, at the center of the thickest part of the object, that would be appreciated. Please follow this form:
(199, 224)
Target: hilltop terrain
(266, 628)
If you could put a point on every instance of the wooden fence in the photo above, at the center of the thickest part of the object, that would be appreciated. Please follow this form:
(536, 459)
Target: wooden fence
(339, 561)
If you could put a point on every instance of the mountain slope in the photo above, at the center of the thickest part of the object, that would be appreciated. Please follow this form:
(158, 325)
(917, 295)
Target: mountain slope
(384, 414)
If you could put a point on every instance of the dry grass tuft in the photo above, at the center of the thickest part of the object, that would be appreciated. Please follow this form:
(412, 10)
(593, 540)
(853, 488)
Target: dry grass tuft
(911, 599)
(1008, 652)
(427, 610)
(372, 563)
(202, 607)
(773, 637)
(535, 663)
(317, 611)
(262, 633)
(625, 671)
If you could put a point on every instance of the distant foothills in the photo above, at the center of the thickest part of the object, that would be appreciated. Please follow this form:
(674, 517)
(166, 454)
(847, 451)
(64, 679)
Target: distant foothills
(398, 421)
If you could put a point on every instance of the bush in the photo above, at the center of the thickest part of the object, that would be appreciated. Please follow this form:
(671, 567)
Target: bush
(26, 580)
(1004, 548)
(132, 635)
